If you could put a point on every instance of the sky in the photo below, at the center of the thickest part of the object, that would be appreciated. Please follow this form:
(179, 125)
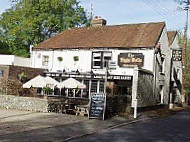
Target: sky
(118, 12)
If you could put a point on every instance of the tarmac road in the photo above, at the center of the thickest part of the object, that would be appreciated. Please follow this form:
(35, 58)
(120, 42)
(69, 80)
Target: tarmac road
(175, 128)
(26, 126)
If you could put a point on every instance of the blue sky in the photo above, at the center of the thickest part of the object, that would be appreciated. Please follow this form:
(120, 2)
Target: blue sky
(131, 11)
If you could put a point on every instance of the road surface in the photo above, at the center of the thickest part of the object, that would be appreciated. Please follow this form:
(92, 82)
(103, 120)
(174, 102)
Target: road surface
(169, 129)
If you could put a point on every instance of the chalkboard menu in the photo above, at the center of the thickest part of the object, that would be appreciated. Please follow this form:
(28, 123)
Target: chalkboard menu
(97, 105)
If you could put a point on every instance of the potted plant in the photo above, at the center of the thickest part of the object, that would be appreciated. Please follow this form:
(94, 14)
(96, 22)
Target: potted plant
(59, 59)
(76, 58)
(47, 90)
(22, 77)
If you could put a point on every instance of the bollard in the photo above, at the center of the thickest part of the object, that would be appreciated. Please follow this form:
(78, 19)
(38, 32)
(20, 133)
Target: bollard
(135, 108)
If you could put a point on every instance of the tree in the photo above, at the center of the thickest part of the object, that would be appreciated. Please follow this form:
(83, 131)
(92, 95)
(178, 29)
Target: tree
(181, 43)
(30, 22)
(4, 49)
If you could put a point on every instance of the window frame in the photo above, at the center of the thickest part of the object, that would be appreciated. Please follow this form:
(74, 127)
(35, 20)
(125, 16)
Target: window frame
(1, 73)
(101, 60)
(45, 60)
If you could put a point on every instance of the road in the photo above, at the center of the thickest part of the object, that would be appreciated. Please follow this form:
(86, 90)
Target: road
(26, 126)
(170, 129)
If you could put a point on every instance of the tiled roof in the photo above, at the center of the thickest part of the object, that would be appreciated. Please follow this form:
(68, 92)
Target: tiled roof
(143, 35)
(171, 36)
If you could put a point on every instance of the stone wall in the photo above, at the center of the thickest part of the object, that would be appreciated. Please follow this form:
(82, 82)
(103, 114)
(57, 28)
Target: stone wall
(23, 103)
(145, 88)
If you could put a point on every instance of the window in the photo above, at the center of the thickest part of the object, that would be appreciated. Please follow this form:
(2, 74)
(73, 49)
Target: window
(86, 91)
(106, 58)
(45, 60)
(94, 86)
(96, 60)
(101, 89)
(1, 73)
(100, 59)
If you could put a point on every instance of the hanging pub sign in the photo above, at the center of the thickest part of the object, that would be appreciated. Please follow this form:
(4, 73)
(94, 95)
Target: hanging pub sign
(130, 59)
(177, 55)
(97, 106)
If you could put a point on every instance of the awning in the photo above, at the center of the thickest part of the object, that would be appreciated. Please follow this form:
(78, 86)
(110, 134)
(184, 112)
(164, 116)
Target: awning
(72, 83)
(40, 82)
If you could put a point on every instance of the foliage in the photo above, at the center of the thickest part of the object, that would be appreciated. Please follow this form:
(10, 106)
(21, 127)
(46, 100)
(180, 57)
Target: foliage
(188, 91)
(59, 59)
(181, 43)
(22, 77)
(47, 90)
(30, 22)
(76, 58)
(4, 48)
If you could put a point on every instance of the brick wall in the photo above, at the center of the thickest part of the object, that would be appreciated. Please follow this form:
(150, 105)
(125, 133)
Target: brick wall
(10, 84)
(5, 70)
(14, 72)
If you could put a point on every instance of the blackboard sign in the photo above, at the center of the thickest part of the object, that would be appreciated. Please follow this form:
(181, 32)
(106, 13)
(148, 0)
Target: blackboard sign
(97, 105)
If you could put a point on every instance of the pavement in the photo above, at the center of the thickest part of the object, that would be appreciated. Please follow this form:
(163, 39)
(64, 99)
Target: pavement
(25, 126)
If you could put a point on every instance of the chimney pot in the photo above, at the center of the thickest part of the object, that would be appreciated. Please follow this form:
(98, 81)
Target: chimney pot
(98, 21)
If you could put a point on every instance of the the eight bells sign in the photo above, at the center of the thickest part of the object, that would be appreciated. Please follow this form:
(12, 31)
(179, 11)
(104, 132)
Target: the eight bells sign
(130, 59)
(177, 55)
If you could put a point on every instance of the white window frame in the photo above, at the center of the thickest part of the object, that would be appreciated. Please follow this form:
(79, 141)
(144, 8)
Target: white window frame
(101, 55)
(45, 60)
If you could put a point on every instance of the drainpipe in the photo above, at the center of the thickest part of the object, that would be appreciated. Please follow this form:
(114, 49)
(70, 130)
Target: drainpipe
(171, 105)
(154, 69)
(134, 91)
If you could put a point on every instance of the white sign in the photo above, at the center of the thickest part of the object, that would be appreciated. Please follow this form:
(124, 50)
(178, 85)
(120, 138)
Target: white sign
(112, 65)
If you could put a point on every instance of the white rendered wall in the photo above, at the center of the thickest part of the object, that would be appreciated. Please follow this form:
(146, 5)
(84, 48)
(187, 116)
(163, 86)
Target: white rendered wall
(166, 53)
(6, 59)
(20, 61)
(85, 58)
(14, 60)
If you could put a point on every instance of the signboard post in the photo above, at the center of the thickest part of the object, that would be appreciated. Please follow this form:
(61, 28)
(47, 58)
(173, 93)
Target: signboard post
(97, 106)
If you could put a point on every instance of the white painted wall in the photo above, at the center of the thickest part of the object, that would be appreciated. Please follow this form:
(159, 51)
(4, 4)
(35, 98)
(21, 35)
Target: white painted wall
(165, 51)
(85, 57)
(6, 59)
(20, 61)
(14, 60)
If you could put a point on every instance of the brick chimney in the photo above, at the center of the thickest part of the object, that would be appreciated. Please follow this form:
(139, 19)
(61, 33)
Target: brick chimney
(98, 21)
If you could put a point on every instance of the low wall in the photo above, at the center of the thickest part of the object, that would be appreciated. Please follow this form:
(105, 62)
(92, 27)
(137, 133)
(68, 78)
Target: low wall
(118, 104)
(145, 93)
(23, 103)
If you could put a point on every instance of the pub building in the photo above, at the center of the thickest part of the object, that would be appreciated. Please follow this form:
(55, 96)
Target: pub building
(109, 54)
